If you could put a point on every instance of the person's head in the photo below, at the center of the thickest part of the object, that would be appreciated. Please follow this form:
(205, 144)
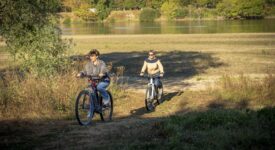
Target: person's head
(93, 55)
(152, 54)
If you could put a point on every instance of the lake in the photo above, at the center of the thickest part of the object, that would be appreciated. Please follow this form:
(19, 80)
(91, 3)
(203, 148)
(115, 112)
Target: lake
(174, 27)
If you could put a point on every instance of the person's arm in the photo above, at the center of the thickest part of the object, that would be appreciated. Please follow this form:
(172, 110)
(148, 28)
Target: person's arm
(143, 68)
(160, 68)
(103, 69)
(83, 72)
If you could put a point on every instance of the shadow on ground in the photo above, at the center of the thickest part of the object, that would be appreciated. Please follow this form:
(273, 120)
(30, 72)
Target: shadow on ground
(176, 63)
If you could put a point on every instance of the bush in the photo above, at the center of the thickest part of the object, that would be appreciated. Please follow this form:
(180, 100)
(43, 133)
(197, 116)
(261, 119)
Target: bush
(148, 14)
(181, 12)
(241, 9)
(67, 21)
(169, 9)
(86, 15)
(271, 11)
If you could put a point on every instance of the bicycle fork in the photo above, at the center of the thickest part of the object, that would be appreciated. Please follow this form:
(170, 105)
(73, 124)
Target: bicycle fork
(152, 92)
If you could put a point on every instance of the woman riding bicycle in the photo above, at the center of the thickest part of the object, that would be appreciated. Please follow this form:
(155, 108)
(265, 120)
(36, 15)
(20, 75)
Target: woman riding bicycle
(97, 67)
(154, 67)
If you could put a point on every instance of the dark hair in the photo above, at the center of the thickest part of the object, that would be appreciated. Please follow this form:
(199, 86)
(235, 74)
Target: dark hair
(153, 51)
(94, 52)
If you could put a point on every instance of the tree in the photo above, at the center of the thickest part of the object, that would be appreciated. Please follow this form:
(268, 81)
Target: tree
(30, 31)
(270, 2)
(76, 4)
(169, 9)
(251, 8)
(186, 2)
(103, 9)
(156, 4)
(130, 4)
(241, 8)
(207, 3)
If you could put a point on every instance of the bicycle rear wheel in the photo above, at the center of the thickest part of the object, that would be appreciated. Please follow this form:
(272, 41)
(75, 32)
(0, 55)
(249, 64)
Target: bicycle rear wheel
(107, 112)
(82, 108)
(148, 100)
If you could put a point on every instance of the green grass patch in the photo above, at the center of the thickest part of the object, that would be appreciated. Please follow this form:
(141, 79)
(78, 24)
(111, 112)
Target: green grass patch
(220, 129)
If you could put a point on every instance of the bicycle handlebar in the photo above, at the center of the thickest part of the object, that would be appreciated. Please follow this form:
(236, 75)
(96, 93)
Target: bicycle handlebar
(152, 76)
(92, 77)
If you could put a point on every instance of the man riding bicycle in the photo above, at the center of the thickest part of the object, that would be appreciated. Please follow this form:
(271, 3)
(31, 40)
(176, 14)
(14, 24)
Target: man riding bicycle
(154, 67)
(97, 67)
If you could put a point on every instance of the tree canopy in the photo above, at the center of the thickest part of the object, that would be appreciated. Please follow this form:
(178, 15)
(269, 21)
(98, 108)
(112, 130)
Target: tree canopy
(31, 34)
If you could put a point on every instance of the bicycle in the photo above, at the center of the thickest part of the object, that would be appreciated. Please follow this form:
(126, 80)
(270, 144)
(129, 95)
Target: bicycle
(89, 102)
(153, 93)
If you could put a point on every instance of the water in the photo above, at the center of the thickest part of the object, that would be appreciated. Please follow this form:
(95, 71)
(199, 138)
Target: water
(175, 27)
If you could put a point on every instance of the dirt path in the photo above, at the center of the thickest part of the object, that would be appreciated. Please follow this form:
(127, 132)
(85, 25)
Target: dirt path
(179, 84)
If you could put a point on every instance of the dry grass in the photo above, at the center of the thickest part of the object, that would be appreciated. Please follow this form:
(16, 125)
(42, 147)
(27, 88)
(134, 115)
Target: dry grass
(246, 90)
(252, 42)
(32, 97)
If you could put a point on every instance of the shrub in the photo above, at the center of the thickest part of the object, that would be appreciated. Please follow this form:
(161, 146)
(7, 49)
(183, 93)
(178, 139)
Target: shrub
(148, 14)
(67, 21)
(169, 9)
(86, 15)
(241, 9)
(181, 12)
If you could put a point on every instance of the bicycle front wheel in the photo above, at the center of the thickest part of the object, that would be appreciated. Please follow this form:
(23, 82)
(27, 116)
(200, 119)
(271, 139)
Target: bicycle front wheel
(149, 99)
(82, 108)
(107, 112)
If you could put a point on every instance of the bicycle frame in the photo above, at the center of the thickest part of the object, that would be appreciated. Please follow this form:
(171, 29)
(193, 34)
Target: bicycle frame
(94, 98)
(151, 84)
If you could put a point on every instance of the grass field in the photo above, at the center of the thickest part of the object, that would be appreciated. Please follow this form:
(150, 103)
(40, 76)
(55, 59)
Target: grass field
(238, 52)
(217, 90)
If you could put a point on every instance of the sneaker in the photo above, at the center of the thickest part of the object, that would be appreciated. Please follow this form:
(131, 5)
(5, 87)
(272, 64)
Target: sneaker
(106, 102)
(89, 114)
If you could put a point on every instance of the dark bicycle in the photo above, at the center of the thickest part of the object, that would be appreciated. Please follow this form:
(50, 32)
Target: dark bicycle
(89, 103)
(153, 94)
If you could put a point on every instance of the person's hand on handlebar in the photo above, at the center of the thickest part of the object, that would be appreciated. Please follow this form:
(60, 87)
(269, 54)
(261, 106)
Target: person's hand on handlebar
(79, 75)
(100, 75)
(161, 75)
(141, 74)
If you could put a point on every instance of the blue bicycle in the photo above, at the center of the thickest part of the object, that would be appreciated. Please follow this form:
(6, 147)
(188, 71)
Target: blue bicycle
(89, 103)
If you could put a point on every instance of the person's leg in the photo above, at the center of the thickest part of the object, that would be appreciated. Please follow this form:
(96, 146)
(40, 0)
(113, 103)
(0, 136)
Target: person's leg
(158, 86)
(101, 87)
(157, 82)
